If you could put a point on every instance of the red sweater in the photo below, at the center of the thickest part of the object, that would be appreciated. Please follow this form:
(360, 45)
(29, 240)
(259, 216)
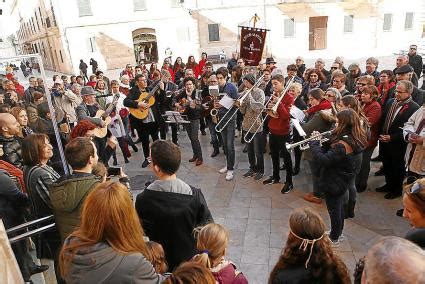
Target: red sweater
(373, 113)
(324, 104)
(281, 124)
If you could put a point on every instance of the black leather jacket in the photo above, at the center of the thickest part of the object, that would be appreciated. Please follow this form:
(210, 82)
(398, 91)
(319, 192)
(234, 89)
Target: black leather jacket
(11, 151)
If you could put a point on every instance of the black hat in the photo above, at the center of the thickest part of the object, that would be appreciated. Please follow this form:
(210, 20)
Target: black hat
(404, 69)
(270, 60)
(250, 78)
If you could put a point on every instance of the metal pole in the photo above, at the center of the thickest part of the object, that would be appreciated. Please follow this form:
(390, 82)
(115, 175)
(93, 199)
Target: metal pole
(49, 102)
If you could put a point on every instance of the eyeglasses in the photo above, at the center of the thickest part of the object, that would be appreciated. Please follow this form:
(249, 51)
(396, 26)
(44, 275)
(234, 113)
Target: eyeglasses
(213, 82)
(361, 84)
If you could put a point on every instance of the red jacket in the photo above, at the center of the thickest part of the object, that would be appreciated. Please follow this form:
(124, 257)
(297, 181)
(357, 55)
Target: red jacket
(384, 93)
(281, 124)
(201, 65)
(373, 113)
(324, 104)
(171, 72)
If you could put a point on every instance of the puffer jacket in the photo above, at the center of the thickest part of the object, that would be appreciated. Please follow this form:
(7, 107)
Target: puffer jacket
(337, 164)
(12, 152)
(67, 196)
(100, 263)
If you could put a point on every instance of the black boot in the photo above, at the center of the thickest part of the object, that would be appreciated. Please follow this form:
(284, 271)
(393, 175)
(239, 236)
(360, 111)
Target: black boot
(216, 151)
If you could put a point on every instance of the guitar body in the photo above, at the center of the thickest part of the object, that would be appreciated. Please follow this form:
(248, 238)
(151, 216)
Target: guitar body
(101, 132)
(143, 113)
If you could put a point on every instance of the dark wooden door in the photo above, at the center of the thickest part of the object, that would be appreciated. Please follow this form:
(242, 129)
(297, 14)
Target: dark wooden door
(318, 28)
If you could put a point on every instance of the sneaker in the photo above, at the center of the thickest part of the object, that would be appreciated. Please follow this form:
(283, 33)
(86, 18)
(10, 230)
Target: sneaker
(287, 187)
(145, 163)
(270, 180)
(229, 175)
(341, 237)
(223, 170)
(250, 173)
(258, 176)
(335, 243)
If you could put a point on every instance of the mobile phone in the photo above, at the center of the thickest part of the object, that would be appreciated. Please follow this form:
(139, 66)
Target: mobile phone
(114, 171)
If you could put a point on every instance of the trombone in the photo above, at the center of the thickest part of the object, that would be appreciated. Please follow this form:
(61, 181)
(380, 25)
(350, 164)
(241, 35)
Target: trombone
(304, 143)
(227, 117)
(249, 136)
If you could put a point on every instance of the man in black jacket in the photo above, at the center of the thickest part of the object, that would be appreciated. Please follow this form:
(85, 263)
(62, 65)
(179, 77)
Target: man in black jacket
(393, 147)
(415, 60)
(169, 208)
(149, 125)
(405, 72)
(9, 128)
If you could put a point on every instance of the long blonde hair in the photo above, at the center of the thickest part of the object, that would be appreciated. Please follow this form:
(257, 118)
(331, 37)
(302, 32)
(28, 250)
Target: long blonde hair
(212, 240)
(109, 216)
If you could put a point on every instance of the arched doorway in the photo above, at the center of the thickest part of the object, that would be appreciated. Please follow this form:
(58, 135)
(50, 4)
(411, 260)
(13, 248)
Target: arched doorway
(145, 46)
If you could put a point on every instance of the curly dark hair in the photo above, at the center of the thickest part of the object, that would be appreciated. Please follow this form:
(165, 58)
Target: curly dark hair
(319, 73)
(324, 266)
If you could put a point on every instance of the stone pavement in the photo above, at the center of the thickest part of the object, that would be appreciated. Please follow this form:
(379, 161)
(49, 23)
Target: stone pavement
(257, 216)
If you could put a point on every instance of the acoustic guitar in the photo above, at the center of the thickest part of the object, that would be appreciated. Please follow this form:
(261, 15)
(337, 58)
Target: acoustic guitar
(147, 98)
(101, 132)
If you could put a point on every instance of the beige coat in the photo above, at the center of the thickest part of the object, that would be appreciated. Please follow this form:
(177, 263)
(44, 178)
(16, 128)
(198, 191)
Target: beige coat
(251, 107)
(67, 104)
(417, 164)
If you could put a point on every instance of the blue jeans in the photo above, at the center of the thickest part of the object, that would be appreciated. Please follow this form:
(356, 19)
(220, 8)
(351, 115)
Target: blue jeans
(335, 208)
(228, 136)
(255, 152)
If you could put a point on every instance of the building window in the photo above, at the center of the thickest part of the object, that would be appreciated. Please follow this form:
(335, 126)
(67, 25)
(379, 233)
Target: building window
(84, 8)
(92, 44)
(289, 28)
(213, 32)
(388, 21)
(176, 3)
(408, 21)
(1, 11)
(60, 53)
(348, 23)
(139, 5)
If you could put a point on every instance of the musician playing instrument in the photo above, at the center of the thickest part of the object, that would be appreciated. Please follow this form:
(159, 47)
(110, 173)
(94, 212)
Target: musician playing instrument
(166, 97)
(279, 127)
(208, 104)
(251, 107)
(228, 133)
(87, 111)
(188, 102)
(149, 125)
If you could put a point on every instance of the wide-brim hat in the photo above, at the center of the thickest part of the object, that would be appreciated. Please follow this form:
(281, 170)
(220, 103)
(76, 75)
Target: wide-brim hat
(270, 60)
(87, 91)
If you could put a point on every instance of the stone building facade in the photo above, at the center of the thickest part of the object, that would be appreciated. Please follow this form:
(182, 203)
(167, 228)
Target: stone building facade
(119, 32)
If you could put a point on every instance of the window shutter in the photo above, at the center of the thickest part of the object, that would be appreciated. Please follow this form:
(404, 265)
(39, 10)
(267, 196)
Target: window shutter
(408, 22)
(139, 5)
(289, 28)
(388, 18)
(84, 8)
(213, 32)
(348, 24)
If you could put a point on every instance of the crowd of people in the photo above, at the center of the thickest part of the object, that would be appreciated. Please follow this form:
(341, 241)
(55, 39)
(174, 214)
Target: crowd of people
(332, 119)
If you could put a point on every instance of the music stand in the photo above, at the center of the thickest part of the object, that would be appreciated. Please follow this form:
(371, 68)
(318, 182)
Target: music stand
(175, 117)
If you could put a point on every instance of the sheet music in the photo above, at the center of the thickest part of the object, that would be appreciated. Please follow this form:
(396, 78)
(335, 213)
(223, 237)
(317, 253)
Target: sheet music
(226, 102)
(298, 127)
(297, 113)
(213, 91)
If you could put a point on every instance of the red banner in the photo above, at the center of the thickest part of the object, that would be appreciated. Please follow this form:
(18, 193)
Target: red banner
(252, 45)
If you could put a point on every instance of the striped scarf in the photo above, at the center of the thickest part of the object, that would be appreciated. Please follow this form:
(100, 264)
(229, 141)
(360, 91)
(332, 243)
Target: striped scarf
(392, 113)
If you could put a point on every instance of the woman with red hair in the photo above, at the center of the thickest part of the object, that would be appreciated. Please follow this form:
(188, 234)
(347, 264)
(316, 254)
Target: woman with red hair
(84, 128)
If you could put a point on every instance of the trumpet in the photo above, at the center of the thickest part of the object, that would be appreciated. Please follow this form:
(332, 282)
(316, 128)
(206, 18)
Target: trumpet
(227, 117)
(304, 143)
(270, 112)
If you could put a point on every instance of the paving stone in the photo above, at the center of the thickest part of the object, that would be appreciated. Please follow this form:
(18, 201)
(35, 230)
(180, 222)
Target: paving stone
(255, 273)
(255, 255)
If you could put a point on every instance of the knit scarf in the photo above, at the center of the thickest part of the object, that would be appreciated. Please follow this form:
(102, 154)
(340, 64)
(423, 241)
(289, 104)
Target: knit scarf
(392, 112)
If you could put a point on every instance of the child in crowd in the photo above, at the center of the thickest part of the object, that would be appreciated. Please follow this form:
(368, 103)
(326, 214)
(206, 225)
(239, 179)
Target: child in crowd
(156, 256)
(212, 243)
(190, 273)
